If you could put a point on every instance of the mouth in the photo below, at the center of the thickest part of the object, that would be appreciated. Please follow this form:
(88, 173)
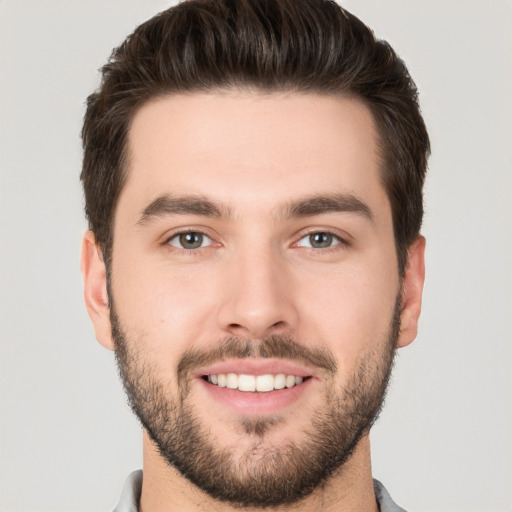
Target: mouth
(254, 383)
(255, 388)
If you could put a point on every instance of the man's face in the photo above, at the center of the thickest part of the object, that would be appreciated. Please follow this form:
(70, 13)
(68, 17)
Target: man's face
(253, 247)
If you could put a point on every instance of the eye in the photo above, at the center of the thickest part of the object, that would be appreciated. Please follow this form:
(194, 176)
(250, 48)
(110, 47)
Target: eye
(190, 240)
(319, 240)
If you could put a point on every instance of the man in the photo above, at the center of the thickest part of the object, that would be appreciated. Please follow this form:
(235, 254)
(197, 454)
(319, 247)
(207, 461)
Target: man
(253, 176)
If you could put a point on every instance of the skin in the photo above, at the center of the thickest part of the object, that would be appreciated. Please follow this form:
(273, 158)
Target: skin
(253, 155)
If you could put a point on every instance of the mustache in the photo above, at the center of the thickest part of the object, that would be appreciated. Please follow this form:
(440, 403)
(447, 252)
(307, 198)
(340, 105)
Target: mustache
(275, 346)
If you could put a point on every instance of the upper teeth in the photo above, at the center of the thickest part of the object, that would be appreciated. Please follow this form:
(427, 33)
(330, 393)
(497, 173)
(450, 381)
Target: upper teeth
(263, 383)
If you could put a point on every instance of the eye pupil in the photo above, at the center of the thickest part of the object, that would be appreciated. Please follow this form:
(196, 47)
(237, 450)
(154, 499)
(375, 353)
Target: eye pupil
(191, 240)
(320, 240)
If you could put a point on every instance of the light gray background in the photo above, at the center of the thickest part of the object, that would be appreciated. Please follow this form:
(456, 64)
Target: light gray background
(67, 438)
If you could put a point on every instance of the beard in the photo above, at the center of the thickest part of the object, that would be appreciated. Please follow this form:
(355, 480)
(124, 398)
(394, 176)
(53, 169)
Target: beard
(262, 476)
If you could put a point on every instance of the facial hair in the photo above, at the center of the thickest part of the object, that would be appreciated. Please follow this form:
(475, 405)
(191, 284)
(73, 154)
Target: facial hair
(262, 476)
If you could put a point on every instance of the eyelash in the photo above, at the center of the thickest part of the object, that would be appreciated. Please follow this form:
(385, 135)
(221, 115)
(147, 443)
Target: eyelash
(340, 242)
(191, 251)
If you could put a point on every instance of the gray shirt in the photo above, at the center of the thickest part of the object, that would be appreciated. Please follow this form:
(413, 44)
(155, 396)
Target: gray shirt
(130, 495)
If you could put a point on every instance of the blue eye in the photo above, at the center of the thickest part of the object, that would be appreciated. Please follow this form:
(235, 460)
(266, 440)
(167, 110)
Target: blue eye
(319, 240)
(190, 240)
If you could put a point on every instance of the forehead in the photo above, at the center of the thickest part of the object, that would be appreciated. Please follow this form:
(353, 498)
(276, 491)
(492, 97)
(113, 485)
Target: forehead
(252, 148)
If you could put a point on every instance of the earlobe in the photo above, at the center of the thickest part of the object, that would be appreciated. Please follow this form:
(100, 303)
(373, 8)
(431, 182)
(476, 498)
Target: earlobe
(412, 290)
(94, 276)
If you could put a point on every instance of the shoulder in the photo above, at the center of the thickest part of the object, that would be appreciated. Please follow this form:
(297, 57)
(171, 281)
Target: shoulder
(386, 503)
(130, 495)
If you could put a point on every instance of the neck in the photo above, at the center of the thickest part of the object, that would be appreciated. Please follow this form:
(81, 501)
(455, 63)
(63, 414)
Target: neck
(164, 489)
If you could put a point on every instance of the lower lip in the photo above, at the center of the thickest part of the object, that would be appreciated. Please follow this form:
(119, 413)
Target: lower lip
(256, 403)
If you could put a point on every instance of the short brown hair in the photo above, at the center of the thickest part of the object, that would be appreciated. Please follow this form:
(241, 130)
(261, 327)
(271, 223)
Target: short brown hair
(268, 45)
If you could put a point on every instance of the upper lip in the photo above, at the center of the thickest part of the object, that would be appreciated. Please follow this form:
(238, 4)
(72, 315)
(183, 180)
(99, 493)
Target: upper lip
(256, 367)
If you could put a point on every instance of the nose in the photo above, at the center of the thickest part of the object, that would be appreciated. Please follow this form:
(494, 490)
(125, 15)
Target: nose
(258, 298)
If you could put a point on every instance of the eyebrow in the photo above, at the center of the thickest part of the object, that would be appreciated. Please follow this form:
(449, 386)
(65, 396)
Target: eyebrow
(330, 203)
(182, 205)
(305, 207)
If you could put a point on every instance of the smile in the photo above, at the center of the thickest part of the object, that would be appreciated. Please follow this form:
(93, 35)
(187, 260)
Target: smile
(254, 383)
(256, 386)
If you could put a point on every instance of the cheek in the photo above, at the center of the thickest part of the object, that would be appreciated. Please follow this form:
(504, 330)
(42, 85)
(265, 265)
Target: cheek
(169, 309)
(351, 312)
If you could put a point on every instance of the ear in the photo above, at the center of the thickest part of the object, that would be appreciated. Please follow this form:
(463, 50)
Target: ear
(412, 289)
(94, 275)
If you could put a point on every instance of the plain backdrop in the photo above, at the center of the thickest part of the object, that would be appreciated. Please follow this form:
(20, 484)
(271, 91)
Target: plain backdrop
(68, 439)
